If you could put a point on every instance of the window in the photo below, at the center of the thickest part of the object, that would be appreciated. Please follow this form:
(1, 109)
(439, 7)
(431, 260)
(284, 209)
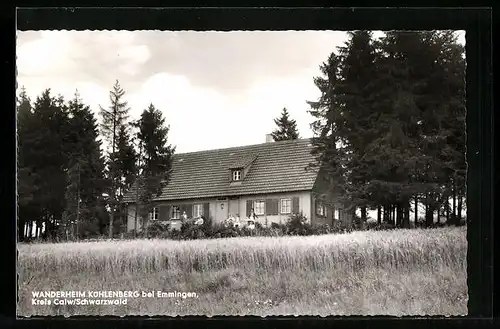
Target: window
(176, 212)
(336, 214)
(236, 174)
(154, 213)
(286, 206)
(320, 209)
(258, 207)
(197, 210)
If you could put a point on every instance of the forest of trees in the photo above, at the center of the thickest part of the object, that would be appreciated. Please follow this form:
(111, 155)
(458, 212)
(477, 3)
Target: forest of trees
(389, 133)
(69, 185)
(390, 126)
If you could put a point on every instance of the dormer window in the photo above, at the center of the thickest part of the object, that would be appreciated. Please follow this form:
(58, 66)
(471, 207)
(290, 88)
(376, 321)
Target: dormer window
(236, 175)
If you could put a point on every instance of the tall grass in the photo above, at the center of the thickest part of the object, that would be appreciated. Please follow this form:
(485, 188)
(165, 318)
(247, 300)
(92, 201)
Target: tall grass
(338, 265)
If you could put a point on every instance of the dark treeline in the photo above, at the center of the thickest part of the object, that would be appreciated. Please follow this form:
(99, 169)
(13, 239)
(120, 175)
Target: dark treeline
(390, 126)
(68, 183)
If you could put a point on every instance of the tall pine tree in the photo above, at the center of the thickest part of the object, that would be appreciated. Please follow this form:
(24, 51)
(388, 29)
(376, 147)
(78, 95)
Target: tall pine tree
(287, 128)
(156, 158)
(49, 160)
(86, 181)
(26, 175)
(124, 164)
(113, 118)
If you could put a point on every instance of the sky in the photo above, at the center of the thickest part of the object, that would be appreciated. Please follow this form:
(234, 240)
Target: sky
(215, 89)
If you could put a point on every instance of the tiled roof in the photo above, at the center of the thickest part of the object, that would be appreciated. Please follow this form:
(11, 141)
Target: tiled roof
(276, 167)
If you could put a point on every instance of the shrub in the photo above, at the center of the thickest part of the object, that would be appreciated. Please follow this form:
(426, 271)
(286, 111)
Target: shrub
(207, 226)
(319, 229)
(157, 229)
(269, 231)
(297, 225)
(189, 231)
(280, 227)
(223, 231)
(379, 227)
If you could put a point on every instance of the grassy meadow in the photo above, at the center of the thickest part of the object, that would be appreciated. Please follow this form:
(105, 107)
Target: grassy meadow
(398, 272)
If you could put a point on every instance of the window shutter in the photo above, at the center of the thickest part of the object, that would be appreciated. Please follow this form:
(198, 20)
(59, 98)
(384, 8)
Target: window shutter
(206, 210)
(295, 205)
(276, 206)
(249, 207)
(272, 207)
(164, 213)
(189, 210)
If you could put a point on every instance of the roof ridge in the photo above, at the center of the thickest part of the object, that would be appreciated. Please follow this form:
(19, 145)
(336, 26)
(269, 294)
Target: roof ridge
(243, 146)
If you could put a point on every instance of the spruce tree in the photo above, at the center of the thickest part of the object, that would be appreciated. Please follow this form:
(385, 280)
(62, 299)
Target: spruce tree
(355, 92)
(287, 128)
(124, 164)
(156, 158)
(26, 187)
(329, 145)
(113, 119)
(86, 181)
(49, 160)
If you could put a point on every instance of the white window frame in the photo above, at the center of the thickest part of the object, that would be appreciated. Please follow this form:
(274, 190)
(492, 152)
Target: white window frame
(154, 214)
(197, 210)
(336, 214)
(262, 211)
(173, 213)
(237, 175)
(283, 207)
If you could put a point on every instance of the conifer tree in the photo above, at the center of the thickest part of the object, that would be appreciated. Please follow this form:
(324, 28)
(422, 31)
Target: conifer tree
(156, 158)
(113, 118)
(86, 181)
(287, 128)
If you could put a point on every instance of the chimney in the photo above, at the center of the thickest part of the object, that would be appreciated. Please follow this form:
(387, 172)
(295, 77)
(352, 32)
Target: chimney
(269, 138)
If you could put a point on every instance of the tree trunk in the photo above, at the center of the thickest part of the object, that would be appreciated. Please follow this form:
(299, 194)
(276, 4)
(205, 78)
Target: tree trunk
(135, 218)
(429, 212)
(393, 215)
(379, 215)
(363, 214)
(447, 209)
(399, 215)
(38, 229)
(459, 210)
(111, 219)
(416, 210)
(386, 214)
(454, 210)
(30, 229)
(406, 215)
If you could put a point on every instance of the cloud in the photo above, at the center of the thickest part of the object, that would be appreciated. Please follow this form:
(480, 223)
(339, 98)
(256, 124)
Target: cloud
(216, 89)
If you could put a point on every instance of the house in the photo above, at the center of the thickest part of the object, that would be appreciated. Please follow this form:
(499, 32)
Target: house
(272, 178)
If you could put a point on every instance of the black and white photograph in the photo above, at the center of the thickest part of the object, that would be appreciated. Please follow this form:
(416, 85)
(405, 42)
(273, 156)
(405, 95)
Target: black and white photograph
(264, 173)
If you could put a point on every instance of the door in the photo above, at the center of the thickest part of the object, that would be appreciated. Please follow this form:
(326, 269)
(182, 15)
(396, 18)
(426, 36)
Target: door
(221, 211)
(234, 207)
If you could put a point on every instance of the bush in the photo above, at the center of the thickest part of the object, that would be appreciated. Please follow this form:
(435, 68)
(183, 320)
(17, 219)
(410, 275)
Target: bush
(297, 225)
(374, 226)
(157, 229)
(224, 231)
(321, 229)
(280, 227)
(190, 231)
